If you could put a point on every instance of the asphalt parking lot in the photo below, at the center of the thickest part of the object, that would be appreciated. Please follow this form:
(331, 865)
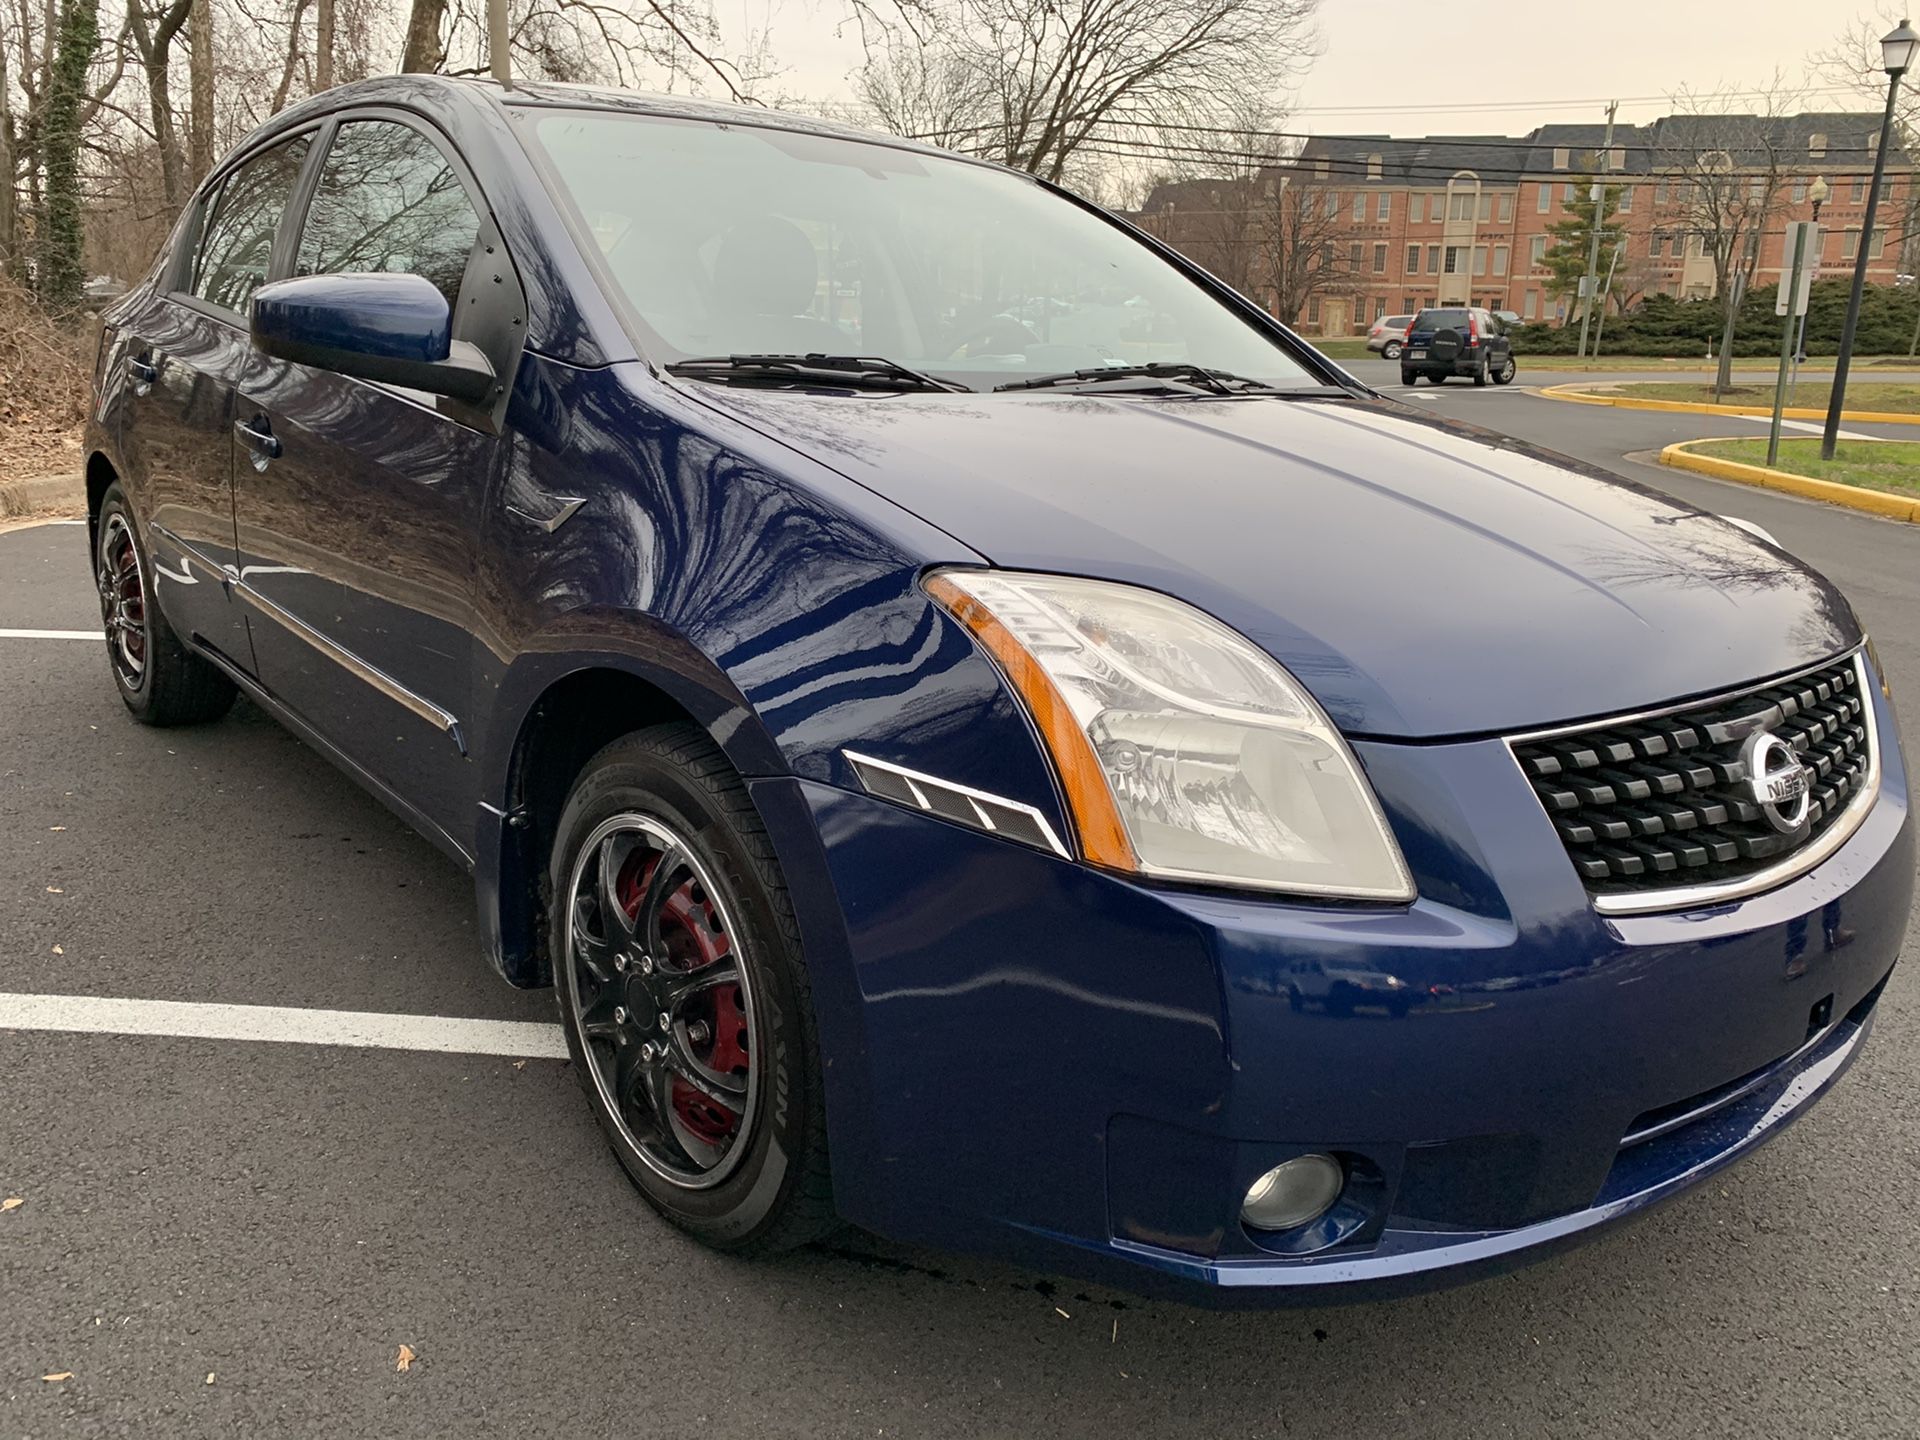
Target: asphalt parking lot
(237, 1236)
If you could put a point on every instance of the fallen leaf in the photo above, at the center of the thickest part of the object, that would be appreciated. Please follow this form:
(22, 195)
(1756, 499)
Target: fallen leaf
(209, 1377)
(12, 1202)
(56, 828)
(1061, 1313)
(403, 1362)
(519, 1064)
(55, 890)
(59, 949)
(57, 1376)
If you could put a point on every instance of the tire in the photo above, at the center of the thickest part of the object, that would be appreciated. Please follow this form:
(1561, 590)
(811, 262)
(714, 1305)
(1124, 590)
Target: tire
(1409, 377)
(1480, 372)
(161, 681)
(1391, 350)
(1504, 375)
(1436, 377)
(725, 1133)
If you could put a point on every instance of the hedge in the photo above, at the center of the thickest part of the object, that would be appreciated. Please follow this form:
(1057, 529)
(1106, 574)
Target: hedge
(1661, 325)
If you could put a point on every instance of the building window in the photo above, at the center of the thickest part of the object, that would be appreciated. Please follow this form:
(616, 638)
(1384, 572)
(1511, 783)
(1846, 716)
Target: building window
(1453, 259)
(1816, 146)
(1538, 255)
(1320, 168)
(1433, 259)
(1380, 259)
(1479, 259)
(1849, 244)
(1623, 202)
(1566, 194)
(1486, 207)
(1359, 206)
(1657, 245)
(1416, 210)
(1333, 204)
(1383, 206)
(1413, 259)
(1859, 189)
(1461, 207)
(1506, 209)
(1879, 244)
(1543, 200)
(1313, 310)
(1756, 189)
(1560, 157)
(1379, 307)
(1799, 191)
(1354, 253)
(1373, 167)
(1530, 305)
(1617, 158)
(1660, 193)
(1499, 259)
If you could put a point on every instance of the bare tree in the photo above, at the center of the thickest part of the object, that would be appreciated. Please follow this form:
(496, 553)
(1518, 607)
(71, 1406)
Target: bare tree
(1049, 77)
(1726, 175)
(200, 90)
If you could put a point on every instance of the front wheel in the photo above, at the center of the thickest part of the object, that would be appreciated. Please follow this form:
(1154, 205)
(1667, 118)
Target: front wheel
(1504, 375)
(1391, 350)
(684, 996)
(161, 681)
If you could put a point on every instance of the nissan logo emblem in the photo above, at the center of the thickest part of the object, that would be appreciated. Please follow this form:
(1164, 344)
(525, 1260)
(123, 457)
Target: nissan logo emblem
(1776, 781)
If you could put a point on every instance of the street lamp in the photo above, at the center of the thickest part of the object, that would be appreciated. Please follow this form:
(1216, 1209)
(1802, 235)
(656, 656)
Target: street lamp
(1818, 192)
(1897, 52)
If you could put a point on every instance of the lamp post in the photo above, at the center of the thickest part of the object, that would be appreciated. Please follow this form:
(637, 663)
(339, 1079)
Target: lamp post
(1897, 52)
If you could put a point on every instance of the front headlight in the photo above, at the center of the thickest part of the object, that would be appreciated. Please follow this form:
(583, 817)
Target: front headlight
(1184, 751)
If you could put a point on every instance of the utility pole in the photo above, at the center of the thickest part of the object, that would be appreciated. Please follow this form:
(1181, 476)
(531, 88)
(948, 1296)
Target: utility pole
(1593, 238)
(498, 44)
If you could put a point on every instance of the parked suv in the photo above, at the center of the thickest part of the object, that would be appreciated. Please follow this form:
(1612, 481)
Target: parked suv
(1387, 333)
(1457, 341)
(988, 735)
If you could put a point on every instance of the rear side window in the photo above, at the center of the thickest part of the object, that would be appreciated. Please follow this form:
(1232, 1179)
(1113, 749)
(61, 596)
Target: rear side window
(237, 244)
(388, 201)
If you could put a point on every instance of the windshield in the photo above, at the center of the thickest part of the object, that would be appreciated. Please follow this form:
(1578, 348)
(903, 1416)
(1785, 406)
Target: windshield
(746, 240)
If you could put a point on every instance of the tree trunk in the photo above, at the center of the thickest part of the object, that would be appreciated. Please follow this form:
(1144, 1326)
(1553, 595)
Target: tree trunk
(9, 223)
(323, 47)
(155, 48)
(200, 78)
(423, 36)
(62, 269)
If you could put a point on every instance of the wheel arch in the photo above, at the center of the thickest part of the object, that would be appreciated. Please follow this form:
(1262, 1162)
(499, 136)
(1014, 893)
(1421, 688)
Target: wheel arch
(568, 714)
(101, 474)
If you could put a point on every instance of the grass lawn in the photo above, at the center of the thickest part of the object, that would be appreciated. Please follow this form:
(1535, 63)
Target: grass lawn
(1890, 465)
(1808, 394)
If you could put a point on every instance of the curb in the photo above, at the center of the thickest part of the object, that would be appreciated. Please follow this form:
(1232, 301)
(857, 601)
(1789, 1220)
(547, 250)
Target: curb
(1875, 502)
(64, 493)
(1575, 395)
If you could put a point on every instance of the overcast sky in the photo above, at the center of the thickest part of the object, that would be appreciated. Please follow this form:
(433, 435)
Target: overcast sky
(1379, 57)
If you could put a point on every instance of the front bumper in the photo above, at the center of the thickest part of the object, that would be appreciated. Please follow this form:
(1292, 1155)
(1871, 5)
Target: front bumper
(1029, 1058)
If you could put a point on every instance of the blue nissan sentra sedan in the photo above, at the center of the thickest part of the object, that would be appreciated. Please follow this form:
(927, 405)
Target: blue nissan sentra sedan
(990, 737)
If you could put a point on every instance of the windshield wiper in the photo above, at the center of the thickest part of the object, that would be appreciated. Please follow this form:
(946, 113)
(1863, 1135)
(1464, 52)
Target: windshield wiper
(864, 372)
(1218, 382)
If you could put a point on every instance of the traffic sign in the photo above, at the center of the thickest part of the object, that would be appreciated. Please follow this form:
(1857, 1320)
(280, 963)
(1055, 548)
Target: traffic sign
(1803, 249)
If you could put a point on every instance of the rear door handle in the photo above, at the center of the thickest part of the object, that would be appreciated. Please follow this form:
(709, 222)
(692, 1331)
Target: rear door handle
(143, 370)
(261, 440)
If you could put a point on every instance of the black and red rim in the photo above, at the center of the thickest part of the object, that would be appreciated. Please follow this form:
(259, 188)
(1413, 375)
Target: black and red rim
(663, 1001)
(123, 601)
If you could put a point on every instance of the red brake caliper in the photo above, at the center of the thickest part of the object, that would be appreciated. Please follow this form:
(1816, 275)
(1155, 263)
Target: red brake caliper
(695, 941)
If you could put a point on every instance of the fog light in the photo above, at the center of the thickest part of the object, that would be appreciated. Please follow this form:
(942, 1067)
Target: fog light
(1293, 1193)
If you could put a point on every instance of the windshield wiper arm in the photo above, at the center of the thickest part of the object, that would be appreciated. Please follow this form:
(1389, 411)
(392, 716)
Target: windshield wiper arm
(1219, 382)
(866, 372)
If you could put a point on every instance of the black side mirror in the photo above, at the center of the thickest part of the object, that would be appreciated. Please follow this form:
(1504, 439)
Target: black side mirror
(395, 328)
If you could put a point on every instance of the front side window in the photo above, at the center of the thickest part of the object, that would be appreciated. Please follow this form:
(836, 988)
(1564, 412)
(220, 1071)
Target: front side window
(755, 240)
(388, 201)
(237, 244)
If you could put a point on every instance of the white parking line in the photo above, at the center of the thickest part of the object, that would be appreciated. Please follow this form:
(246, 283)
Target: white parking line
(51, 634)
(180, 1019)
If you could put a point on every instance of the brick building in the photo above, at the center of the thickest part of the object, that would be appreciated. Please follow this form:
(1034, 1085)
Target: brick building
(1464, 219)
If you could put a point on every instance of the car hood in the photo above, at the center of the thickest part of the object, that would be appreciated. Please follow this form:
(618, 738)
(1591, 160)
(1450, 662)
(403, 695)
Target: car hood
(1421, 577)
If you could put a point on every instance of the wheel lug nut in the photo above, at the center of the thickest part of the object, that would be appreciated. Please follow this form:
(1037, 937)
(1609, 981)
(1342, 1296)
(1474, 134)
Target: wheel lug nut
(698, 1032)
(646, 964)
(619, 1014)
(620, 963)
(666, 1021)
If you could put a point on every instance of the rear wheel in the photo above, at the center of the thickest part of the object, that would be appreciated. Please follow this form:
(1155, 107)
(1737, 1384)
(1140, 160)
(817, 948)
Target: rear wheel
(1480, 373)
(161, 681)
(1391, 350)
(1409, 377)
(684, 996)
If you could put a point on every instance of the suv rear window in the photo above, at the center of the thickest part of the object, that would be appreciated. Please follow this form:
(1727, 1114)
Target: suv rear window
(1440, 320)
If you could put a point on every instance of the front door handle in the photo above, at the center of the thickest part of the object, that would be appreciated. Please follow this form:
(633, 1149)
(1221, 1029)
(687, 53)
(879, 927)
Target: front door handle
(260, 439)
(143, 370)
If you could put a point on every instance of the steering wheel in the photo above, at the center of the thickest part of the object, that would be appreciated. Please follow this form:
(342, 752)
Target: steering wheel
(997, 335)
